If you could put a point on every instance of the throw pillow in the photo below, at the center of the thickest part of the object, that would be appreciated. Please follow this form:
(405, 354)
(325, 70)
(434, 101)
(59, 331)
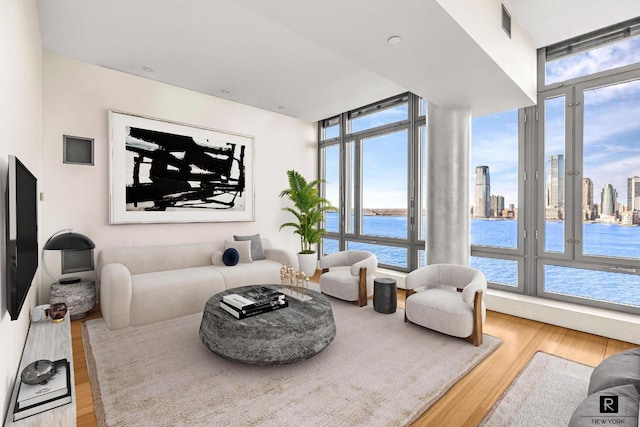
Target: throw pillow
(256, 245)
(230, 257)
(216, 258)
(243, 248)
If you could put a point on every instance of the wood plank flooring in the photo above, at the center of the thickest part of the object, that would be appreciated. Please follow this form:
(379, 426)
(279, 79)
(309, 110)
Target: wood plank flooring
(469, 400)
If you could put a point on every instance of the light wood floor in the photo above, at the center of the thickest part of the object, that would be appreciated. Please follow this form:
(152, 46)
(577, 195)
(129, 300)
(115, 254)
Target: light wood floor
(469, 400)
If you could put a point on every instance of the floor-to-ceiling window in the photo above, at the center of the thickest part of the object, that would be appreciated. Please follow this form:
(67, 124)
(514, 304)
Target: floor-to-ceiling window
(368, 159)
(497, 230)
(588, 196)
(554, 188)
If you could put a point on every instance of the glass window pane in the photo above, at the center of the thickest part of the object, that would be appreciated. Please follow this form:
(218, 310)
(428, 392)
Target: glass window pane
(330, 246)
(611, 178)
(500, 271)
(604, 58)
(332, 185)
(332, 132)
(384, 185)
(614, 287)
(391, 255)
(494, 194)
(380, 117)
(554, 157)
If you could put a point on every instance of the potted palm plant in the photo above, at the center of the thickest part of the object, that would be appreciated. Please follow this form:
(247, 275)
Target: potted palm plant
(308, 208)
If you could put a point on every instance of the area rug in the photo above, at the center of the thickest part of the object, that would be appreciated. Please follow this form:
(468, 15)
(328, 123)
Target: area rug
(378, 371)
(546, 392)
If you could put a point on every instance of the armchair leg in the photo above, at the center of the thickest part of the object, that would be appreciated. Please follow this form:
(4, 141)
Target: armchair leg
(362, 288)
(476, 335)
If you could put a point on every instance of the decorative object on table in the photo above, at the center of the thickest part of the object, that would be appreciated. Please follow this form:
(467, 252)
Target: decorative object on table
(350, 284)
(250, 312)
(79, 297)
(294, 284)
(40, 313)
(163, 171)
(57, 311)
(55, 391)
(255, 297)
(77, 250)
(309, 209)
(253, 301)
(385, 297)
(37, 372)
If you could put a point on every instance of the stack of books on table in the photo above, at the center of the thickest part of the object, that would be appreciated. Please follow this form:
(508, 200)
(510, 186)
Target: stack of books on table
(56, 391)
(252, 302)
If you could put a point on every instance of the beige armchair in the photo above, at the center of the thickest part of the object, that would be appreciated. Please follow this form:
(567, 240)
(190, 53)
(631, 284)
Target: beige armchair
(348, 275)
(451, 302)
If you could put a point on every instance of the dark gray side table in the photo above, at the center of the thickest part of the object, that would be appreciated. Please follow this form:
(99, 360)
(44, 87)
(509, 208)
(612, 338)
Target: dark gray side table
(385, 297)
(79, 297)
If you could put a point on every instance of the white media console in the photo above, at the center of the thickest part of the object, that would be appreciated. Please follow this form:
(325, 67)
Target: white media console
(50, 341)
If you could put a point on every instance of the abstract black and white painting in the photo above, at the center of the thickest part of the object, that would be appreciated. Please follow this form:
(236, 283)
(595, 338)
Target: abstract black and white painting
(168, 172)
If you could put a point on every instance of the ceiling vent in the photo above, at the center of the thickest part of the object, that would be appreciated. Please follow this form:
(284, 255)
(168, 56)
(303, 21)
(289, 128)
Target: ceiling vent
(506, 21)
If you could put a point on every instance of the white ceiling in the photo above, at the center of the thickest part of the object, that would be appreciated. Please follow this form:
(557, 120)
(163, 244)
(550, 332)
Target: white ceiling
(310, 60)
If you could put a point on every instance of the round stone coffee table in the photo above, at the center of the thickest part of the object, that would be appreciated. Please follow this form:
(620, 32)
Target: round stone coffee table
(283, 336)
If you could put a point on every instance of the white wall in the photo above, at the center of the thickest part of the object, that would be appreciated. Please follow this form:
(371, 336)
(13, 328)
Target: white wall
(20, 133)
(77, 97)
(482, 20)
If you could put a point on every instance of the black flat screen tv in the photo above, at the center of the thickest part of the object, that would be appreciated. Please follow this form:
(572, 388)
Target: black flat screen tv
(21, 234)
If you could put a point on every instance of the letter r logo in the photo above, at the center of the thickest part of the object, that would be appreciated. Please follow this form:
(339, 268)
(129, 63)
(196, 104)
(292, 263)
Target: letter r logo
(608, 404)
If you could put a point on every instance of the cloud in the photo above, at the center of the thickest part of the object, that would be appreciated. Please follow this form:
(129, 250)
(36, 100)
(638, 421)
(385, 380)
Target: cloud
(593, 61)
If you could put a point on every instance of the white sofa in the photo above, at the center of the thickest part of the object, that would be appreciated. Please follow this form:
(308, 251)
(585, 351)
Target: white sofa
(147, 284)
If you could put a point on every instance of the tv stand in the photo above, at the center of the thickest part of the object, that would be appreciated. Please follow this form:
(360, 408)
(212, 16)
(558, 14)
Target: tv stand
(50, 341)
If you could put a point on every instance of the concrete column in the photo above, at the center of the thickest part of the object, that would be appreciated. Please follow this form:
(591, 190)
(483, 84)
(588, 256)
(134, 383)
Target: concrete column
(448, 157)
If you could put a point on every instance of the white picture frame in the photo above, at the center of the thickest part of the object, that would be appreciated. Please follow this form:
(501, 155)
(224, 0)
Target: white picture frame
(167, 172)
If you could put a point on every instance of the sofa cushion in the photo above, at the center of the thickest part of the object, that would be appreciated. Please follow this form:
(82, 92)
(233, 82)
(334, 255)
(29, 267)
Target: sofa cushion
(263, 272)
(216, 258)
(243, 248)
(589, 412)
(257, 252)
(230, 257)
(621, 368)
(168, 294)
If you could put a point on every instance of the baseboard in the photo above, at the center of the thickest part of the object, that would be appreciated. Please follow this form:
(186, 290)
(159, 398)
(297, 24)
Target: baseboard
(606, 323)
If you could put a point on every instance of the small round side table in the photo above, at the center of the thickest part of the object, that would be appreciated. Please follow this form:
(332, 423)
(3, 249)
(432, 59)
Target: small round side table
(385, 297)
(79, 297)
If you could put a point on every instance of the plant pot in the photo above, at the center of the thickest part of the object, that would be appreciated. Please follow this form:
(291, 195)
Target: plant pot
(308, 263)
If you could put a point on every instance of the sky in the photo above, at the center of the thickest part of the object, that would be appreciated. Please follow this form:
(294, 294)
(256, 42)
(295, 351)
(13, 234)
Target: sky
(611, 136)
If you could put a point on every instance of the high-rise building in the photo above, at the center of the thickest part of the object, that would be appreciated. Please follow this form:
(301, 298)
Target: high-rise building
(609, 197)
(482, 195)
(555, 187)
(497, 205)
(633, 193)
(588, 208)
